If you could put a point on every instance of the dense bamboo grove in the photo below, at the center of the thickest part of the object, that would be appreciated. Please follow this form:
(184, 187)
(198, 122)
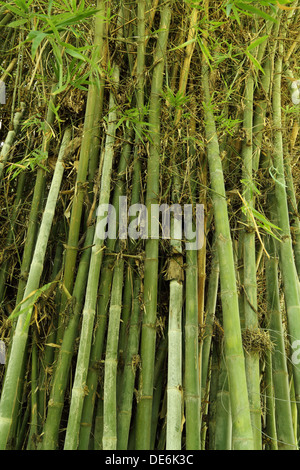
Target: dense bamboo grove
(112, 339)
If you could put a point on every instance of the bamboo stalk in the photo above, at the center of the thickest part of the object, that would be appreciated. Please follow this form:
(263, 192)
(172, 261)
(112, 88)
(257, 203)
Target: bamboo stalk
(174, 385)
(34, 398)
(249, 267)
(62, 369)
(111, 361)
(102, 308)
(89, 310)
(130, 368)
(283, 413)
(93, 108)
(287, 262)
(223, 431)
(7, 403)
(148, 339)
(242, 432)
(270, 405)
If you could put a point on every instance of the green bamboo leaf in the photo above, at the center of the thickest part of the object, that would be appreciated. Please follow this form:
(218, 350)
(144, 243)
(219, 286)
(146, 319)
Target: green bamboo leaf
(228, 9)
(273, 169)
(74, 19)
(263, 219)
(36, 37)
(15, 10)
(205, 50)
(34, 296)
(257, 42)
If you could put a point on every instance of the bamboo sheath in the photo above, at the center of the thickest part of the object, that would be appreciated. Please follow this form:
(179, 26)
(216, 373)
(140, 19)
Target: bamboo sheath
(111, 361)
(287, 262)
(7, 402)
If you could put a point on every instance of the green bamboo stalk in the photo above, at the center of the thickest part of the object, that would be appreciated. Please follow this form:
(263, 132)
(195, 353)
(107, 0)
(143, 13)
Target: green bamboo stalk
(241, 422)
(31, 445)
(98, 433)
(94, 104)
(293, 209)
(191, 376)
(174, 384)
(7, 403)
(158, 385)
(193, 366)
(102, 307)
(89, 310)
(270, 405)
(11, 233)
(214, 378)
(249, 267)
(223, 431)
(111, 361)
(210, 308)
(10, 139)
(287, 262)
(148, 339)
(130, 368)
(283, 414)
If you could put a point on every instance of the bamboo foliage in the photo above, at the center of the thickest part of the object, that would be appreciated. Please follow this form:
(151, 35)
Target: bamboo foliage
(117, 336)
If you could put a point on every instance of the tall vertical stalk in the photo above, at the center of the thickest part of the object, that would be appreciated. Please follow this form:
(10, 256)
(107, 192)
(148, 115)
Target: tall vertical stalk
(241, 422)
(111, 361)
(283, 413)
(148, 339)
(89, 310)
(7, 403)
(249, 267)
(287, 262)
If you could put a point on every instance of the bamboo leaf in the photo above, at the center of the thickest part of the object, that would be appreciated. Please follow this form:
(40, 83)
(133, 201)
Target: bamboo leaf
(36, 37)
(257, 42)
(15, 24)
